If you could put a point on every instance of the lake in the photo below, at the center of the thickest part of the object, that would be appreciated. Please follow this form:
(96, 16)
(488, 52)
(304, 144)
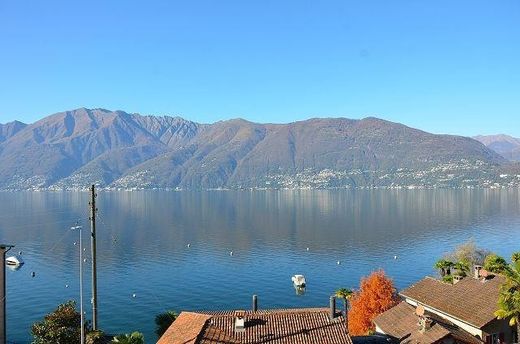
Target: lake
(145, 266)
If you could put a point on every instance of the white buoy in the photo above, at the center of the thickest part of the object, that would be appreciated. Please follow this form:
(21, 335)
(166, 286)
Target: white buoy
(133, 295)
(395, 257)
(231, 253)
(307, 248)
(338, 262)
(66, 285)
(189, 245)
(20, 253)
(33, 274)
(75, 243)
(84, 260)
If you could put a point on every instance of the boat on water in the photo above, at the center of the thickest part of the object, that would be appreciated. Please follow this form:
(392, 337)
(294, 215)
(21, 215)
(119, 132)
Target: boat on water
(14, 261)
(299, 281)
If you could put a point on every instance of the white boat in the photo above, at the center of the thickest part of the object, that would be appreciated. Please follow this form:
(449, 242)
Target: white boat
(299, 281)
(14, 261)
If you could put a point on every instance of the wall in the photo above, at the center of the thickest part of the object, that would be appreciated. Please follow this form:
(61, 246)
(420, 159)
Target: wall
(499, 326)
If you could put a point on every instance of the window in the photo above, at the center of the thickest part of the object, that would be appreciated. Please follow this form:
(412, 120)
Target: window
(493, 339)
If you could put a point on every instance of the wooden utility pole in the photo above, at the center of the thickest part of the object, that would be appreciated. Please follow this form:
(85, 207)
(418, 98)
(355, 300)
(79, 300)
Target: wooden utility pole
(3, 335)
(93, 211)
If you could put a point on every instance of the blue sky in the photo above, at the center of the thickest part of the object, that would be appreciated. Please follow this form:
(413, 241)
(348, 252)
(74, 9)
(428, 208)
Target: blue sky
(442, 66)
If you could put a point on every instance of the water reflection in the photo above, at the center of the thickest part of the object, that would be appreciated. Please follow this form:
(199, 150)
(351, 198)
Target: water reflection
(299, 290)
(165, 247)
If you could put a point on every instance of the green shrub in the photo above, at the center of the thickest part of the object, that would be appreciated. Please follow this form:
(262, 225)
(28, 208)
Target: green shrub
(60, 326)
(495, 263)
(448, 279)
(163, 321)
(133, 338)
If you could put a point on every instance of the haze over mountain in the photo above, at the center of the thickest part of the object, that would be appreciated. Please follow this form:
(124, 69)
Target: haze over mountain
(505, 145)
(75, 148)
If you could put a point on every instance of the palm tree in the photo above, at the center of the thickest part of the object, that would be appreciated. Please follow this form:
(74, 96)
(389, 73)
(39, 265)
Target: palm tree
(462, 268)
(509, 300)
(345, 294)
(444, 266)
(133, 338)
(495, 263)
(163, 321)
(515, 257)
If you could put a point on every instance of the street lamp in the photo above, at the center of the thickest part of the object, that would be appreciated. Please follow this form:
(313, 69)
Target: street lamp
(79, 228)
(3, 249)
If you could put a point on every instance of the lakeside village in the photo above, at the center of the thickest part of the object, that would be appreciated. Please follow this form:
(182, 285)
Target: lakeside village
(474, 299)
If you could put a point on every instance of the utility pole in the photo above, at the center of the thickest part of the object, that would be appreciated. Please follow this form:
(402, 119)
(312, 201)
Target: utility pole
(93, 211)
(3, 336)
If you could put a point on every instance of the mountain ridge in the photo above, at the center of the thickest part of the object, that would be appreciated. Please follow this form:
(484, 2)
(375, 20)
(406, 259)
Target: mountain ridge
(505, 145)
(116, 149)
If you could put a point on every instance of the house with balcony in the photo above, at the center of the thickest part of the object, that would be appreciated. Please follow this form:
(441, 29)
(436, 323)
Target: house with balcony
(433, 311)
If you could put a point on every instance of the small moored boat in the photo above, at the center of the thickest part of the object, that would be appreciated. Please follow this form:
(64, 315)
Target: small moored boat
(14, 261)
(299, 281)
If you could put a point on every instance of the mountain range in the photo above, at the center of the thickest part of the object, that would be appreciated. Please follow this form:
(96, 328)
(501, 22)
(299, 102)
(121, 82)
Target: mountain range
(116, 149)
(505, 145)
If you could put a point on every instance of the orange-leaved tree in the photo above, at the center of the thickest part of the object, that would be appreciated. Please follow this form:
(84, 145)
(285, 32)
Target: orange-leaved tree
(376, 295)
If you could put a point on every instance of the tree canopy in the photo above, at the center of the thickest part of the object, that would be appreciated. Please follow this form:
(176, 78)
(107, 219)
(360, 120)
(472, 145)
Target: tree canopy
(132, 338)
(509, 299)
(495, 263)
(375, 296)
(61, 326)
(468, 253)
(163, 321)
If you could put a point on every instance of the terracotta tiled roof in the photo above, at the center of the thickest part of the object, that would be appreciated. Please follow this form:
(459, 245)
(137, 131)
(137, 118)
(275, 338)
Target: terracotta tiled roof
(470, 300)
(185, 329)
(308, 325)
(401, 322)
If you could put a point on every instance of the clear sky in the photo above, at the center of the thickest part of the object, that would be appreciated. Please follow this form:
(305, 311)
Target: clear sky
(443, 66)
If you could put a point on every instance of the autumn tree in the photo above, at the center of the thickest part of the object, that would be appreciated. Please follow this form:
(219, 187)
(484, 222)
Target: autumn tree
(375, 296)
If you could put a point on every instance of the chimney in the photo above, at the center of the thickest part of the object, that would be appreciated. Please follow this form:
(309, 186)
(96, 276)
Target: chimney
(457, 279)
(255, 303)
(484, 275)
(240, 321)
(425, 324)
(476, 271)
(332, 307)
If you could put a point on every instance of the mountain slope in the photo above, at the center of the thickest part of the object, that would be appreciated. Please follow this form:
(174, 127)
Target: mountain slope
(55, 147)
(73, 149)
(238, 153)
(10, 129)
(505, 145)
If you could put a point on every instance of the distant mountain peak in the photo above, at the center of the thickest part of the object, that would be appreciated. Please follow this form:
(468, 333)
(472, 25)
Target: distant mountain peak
(10, 129)
(505, 145)
(75, 148)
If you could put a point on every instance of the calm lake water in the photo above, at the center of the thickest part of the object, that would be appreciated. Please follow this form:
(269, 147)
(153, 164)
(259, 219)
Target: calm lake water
(143, 238)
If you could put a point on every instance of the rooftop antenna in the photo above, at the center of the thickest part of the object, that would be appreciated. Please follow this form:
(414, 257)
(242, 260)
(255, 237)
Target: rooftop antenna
(4, 248)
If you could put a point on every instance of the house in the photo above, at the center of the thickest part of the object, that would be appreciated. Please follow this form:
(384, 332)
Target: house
(433, 311)
(307, 325)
